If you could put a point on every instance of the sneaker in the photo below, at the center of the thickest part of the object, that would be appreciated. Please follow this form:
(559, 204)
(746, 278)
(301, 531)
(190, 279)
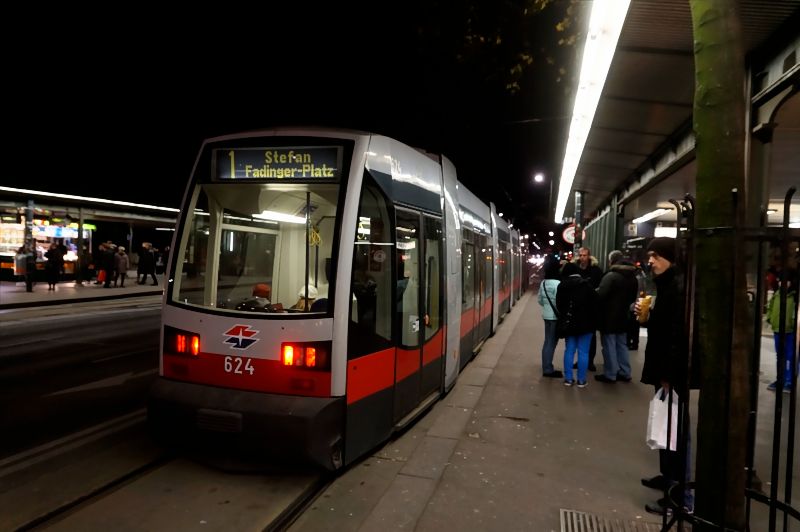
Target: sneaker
(553, 375)
(773, 386)
(603, 378)
(623, 378)
(569, 383)
(581, 384)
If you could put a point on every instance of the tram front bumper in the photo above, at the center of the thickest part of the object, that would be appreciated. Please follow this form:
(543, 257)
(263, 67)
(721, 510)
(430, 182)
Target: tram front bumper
(273, 428)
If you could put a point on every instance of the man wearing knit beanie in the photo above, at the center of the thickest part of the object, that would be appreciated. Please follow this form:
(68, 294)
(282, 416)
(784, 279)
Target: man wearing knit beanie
(665, 363)
(663, 247)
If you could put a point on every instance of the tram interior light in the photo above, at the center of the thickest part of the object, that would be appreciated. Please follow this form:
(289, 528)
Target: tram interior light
(605, 26)
(650, 215)
(281, 217)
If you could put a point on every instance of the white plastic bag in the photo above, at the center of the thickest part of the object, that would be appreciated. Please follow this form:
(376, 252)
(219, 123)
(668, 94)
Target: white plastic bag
(656, 437)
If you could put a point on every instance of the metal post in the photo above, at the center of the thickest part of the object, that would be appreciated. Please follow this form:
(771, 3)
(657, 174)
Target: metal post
(578, 220)
(79, 262)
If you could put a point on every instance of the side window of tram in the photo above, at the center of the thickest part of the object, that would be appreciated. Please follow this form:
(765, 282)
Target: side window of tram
(468, 276)
(371, 285)
(408, 278)
(433, 281)
(488, 259)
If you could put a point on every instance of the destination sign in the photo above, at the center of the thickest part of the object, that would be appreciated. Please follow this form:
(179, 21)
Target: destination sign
(310, 162)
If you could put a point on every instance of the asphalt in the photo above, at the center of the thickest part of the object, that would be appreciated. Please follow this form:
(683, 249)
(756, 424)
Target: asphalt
(505, 449)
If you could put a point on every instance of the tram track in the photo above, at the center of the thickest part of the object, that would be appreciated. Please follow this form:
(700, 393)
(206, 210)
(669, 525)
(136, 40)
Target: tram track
(113, 473)
(96, 494)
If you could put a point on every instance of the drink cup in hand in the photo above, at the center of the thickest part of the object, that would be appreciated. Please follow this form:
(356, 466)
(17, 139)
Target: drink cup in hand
(643, 308)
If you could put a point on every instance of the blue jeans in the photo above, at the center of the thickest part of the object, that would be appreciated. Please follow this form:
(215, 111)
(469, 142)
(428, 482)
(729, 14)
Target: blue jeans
(616, 360)
(581, 343)
(549, 347)
(786, 357)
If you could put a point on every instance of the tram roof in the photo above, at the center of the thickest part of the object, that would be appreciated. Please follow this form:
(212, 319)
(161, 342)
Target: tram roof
(645, 107)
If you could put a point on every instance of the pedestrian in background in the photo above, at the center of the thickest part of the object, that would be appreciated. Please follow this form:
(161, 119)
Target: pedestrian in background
(786, 343)
(547, 299)
(53, 266)
(589, 270)
(121, 265)
(616, 295)
(575, 304)
(147, 264)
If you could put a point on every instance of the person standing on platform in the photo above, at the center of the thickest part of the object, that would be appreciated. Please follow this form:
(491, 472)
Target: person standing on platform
(26, 259)
(786, 344)
(616, 294)
(147, 264)
(665, 363)
(121, 265)
(547, 299)
(575, 304)
(107, 258)
(590, 271)
(53, 266)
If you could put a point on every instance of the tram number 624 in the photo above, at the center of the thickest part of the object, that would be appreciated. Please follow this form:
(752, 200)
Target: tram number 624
(238, 365)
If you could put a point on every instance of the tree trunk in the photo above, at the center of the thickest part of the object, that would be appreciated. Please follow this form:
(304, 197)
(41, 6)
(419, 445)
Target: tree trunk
(720, 301)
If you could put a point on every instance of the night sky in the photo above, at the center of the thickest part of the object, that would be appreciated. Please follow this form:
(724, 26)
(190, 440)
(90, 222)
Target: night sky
(118, 110)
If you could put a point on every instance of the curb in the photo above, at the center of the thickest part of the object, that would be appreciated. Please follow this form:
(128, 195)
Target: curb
(47, 303)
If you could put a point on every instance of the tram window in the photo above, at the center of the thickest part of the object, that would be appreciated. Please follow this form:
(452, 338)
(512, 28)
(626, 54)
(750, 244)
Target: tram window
(468, 277)
(371, 290)
(433, 295)
(408, 278)
(487, 255)
(240, 235)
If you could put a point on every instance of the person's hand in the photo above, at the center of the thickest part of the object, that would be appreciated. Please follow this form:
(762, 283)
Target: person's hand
(637, 308)
(665, 385)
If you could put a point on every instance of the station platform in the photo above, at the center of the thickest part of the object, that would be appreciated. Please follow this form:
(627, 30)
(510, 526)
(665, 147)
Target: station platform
(13, 294)
(507, 449)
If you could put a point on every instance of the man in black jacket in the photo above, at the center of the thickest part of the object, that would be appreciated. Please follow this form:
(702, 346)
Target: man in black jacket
(665, 362)
(616, 294)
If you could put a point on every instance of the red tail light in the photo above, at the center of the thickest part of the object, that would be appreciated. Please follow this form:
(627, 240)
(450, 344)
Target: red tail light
(178, 342)
(310, 355)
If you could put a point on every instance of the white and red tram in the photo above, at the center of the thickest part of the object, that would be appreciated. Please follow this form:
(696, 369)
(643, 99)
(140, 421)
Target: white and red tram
(403, 274)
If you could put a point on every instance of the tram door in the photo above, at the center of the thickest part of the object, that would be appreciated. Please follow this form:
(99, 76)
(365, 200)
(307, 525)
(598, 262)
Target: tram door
(418, 364)
(471, 297)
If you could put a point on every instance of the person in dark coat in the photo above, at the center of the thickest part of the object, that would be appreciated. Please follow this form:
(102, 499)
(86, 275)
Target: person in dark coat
(575, 302)
(616, 294)
(54, 265)
(665, 360)
(107, 252)
(589, 270)
(147, 264)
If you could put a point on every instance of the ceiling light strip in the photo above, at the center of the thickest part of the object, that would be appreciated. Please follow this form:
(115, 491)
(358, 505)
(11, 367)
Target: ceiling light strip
(605, 26)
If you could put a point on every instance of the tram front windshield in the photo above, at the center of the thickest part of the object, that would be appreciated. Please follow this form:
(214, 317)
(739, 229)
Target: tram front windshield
(257, 247)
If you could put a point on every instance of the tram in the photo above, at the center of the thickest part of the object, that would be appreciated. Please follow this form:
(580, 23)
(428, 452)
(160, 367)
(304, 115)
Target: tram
(325, 288)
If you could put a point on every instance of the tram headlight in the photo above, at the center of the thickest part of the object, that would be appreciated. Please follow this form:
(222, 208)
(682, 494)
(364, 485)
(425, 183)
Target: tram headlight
(178, 342)
(310, 355)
